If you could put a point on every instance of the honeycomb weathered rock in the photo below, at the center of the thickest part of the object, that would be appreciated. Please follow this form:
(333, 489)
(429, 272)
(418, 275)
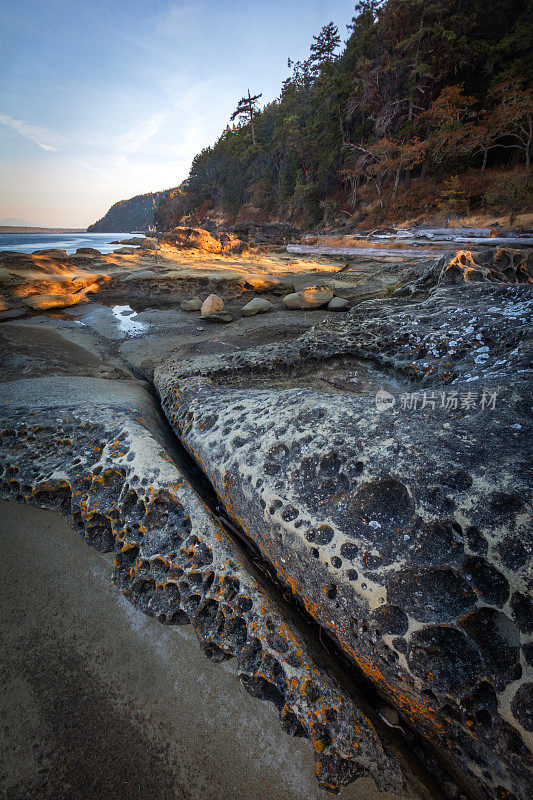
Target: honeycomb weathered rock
(406, 533)
(94, 450)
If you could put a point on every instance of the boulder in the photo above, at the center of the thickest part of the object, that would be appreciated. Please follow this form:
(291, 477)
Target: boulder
(256, 306)
(217, 316)
(195, 238)
(195, 304)
(400, 518)
(51, 253)
(125, 251)
(309, 298)
(212, 303)
(231, 243)
(88, 251)
(338, 304)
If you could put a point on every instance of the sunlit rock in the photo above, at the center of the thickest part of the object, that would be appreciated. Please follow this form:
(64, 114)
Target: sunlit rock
(212, 303)
(310, 297)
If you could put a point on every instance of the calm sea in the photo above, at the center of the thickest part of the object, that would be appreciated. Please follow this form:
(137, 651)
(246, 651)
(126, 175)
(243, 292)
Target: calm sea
(28, 242)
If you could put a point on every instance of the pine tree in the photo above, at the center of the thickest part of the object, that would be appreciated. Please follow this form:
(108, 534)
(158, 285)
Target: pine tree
(323, 47)
(247, 107)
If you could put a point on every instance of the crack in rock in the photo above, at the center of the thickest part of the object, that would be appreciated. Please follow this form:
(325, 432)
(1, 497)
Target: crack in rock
(103, 463)
(406, 533)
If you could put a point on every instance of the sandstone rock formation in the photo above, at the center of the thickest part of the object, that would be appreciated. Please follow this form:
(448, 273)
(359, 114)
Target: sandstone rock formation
(105, 465)
(194, 238)
(398, 517)
(275, 284)
(200, 239)
(47, 279)
(256, 306)
(499, 265)
(405, 532)
(212, 303)
(310, 297)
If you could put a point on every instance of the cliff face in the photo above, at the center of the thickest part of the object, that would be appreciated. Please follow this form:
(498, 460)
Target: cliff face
(135, 214)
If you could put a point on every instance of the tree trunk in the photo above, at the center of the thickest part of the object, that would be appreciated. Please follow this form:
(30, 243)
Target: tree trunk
(378, 187)
(251, 110)
(485, 154)
(253, 127)
(528, 143)
(415, 66)
(396, 182)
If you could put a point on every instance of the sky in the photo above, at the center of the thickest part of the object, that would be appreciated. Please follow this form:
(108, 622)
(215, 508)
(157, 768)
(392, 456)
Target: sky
(103, 100)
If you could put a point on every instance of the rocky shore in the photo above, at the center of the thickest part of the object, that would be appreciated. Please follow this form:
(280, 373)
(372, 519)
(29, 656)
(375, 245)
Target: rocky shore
(319, 462)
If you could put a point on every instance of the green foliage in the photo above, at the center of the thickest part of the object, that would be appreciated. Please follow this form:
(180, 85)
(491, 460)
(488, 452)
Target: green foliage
(420, 87)
(136, 214)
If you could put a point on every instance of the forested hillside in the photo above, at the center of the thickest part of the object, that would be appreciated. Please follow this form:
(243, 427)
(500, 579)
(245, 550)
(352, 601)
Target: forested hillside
(426, 107)
(135, 214)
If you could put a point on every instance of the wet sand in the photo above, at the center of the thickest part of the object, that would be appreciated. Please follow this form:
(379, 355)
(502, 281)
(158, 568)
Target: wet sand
(101, 701)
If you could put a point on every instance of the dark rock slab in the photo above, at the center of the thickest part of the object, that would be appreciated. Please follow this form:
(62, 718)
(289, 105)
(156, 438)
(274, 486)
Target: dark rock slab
(406, 532)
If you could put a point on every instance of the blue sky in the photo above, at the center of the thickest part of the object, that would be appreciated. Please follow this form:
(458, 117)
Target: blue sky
(100, 101)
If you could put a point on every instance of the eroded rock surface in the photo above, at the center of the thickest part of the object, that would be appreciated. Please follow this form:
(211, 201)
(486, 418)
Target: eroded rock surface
(406, 532)
(310, 297)
(200, 239)
(96, 450)
(47, 279)
(498, 265)
(266, 232)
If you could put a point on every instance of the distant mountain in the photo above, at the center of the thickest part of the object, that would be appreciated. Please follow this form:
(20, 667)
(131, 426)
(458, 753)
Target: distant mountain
(135, 214)
(14, 222)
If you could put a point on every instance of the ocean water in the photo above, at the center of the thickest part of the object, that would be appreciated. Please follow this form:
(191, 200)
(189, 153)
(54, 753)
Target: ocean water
(29, 242)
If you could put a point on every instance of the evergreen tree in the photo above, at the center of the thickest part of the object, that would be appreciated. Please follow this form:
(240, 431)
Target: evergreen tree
(324, 47)
(432, 88)
(247, 108)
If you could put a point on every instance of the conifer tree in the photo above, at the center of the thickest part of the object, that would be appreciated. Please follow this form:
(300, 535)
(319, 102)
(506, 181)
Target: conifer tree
(247, 107)
(323, 47)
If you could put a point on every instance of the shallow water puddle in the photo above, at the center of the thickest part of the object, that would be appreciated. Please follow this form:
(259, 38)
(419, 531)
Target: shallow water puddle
(124, 316)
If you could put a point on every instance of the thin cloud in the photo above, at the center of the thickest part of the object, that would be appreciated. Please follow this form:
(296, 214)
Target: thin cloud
(133, 140)
(43, 138)
(96, 170)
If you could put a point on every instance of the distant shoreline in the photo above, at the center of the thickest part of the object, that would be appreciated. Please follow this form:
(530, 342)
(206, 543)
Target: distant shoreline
(22, 229)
